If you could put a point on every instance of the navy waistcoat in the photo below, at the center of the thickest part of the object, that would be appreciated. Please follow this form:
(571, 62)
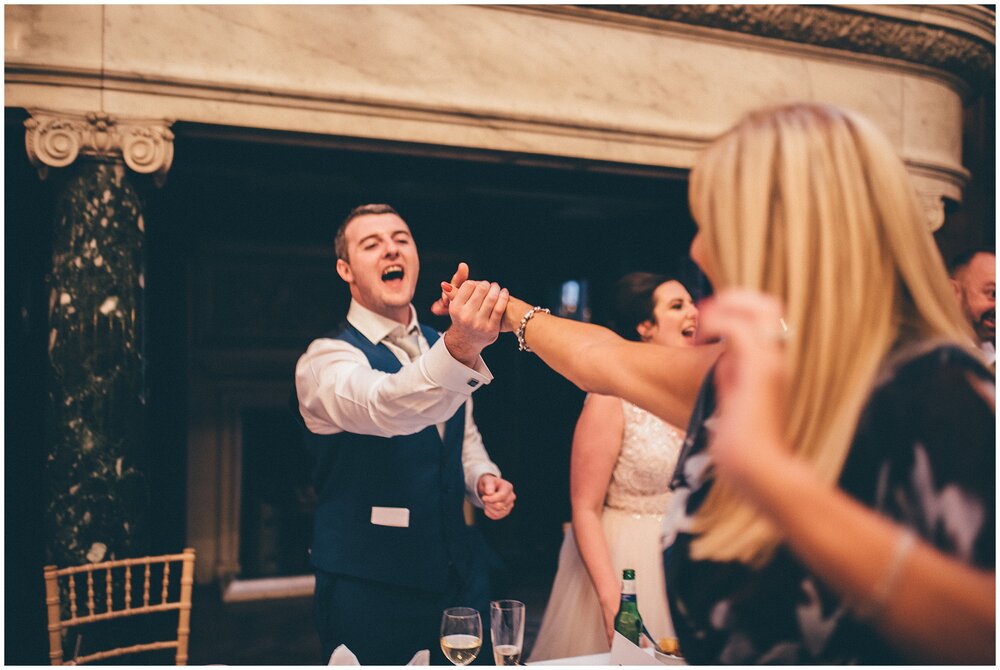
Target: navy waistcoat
(420, 472)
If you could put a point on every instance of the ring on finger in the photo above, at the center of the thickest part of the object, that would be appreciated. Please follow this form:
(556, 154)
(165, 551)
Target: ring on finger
(781, 334)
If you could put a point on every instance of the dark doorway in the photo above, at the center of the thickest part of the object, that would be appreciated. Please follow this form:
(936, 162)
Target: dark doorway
(241, 270)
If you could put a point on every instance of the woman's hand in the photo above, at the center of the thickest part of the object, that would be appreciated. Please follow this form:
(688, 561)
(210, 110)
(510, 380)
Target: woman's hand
(609, 620)
(476, 310)
(751, 377)
(440, 306)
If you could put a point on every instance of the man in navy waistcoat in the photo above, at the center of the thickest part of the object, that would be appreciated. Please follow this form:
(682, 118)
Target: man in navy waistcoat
(387, 403)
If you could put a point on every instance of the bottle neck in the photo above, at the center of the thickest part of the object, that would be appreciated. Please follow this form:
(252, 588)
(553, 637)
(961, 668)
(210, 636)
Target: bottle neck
(628, 588)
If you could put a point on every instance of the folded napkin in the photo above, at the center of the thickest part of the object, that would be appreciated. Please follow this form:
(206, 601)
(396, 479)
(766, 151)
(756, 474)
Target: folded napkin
(625, 652)
(344, 656)
(422, 657)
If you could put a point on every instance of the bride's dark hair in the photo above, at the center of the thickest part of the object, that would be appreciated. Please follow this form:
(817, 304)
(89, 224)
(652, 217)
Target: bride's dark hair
(634, 303)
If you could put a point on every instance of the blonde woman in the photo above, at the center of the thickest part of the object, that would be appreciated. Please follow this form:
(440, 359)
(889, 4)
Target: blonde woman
(620, 470)
(840, 498)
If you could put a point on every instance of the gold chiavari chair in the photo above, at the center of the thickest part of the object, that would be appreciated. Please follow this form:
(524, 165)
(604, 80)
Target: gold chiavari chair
(111, 590)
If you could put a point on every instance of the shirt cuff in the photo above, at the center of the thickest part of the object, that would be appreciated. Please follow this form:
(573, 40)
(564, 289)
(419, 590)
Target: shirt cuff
(473, 475)
(445, 371)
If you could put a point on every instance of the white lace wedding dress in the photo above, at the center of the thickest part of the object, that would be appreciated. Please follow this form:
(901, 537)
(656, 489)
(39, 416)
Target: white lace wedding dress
(634, 508)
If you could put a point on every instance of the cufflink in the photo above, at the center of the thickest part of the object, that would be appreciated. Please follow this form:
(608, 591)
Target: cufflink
(473, 383)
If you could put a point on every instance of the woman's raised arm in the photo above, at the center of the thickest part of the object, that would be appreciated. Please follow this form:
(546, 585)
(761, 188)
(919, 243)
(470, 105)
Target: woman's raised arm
(663, 380)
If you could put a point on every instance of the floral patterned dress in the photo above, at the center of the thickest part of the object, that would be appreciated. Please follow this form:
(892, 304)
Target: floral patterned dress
(923, 455)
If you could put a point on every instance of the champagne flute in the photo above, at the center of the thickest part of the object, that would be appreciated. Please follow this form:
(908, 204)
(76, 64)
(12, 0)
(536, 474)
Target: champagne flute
(507, 629)
(461, 634)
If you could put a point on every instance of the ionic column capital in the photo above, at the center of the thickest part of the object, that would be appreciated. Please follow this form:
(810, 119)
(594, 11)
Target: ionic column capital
(56, 139)
(933, 208)
(934, 184)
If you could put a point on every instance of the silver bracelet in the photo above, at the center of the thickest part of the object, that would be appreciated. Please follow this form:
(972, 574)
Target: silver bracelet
(868, 610)
(521, 346)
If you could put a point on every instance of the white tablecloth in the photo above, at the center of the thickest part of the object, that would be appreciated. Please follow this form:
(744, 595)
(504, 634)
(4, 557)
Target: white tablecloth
(603, 659)
(593, 659)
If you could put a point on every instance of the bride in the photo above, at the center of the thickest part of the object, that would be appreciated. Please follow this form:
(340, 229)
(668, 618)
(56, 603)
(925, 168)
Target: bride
(620, 471)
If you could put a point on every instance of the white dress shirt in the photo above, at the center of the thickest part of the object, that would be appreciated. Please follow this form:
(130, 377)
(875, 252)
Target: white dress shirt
(338, 390)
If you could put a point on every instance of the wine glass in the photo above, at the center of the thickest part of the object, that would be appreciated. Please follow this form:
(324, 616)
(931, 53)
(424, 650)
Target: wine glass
(461, 634)
(507, 629)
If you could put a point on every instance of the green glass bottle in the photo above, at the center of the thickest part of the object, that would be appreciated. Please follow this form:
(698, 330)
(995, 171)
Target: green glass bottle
(628, 622)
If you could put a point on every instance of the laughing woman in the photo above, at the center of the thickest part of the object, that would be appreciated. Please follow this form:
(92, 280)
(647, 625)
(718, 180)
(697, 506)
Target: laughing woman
(619, 488)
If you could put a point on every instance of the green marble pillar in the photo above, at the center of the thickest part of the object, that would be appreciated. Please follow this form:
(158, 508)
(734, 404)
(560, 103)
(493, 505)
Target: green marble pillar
(97, 498)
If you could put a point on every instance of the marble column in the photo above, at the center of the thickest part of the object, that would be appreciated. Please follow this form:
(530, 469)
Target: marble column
(97, 496)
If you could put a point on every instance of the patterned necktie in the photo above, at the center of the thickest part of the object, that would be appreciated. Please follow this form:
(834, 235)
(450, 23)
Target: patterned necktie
(410, 343)
(407, 342)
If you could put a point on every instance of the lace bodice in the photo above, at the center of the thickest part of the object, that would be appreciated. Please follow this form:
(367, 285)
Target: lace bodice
(640, 482)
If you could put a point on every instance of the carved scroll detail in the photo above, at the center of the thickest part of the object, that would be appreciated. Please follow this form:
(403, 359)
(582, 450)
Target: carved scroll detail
(947, 49)
(934, 209)
(56, 139)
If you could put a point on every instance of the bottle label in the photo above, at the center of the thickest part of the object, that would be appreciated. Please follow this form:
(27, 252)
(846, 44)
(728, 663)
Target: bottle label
(628, 598)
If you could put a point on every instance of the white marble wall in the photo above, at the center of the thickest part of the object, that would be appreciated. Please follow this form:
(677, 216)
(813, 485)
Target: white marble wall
(551, 80)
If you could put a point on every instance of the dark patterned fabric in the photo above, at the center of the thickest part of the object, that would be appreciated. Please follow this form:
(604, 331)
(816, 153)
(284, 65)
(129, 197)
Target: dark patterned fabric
(923, 455)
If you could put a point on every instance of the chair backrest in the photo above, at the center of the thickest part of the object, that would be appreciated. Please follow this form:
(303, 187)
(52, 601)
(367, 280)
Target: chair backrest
(111, 590)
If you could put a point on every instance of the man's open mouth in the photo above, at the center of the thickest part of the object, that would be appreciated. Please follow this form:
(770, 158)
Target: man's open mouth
(988, 320)
(392, 272)
(689, 331)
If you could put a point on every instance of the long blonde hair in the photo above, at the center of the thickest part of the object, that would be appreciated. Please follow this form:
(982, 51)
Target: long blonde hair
(810, 203)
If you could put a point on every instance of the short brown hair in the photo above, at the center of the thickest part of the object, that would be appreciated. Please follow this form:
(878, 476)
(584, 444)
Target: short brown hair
(339, 243)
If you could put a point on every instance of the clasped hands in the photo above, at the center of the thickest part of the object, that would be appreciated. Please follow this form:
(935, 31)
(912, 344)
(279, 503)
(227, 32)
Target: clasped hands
(476, 309)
